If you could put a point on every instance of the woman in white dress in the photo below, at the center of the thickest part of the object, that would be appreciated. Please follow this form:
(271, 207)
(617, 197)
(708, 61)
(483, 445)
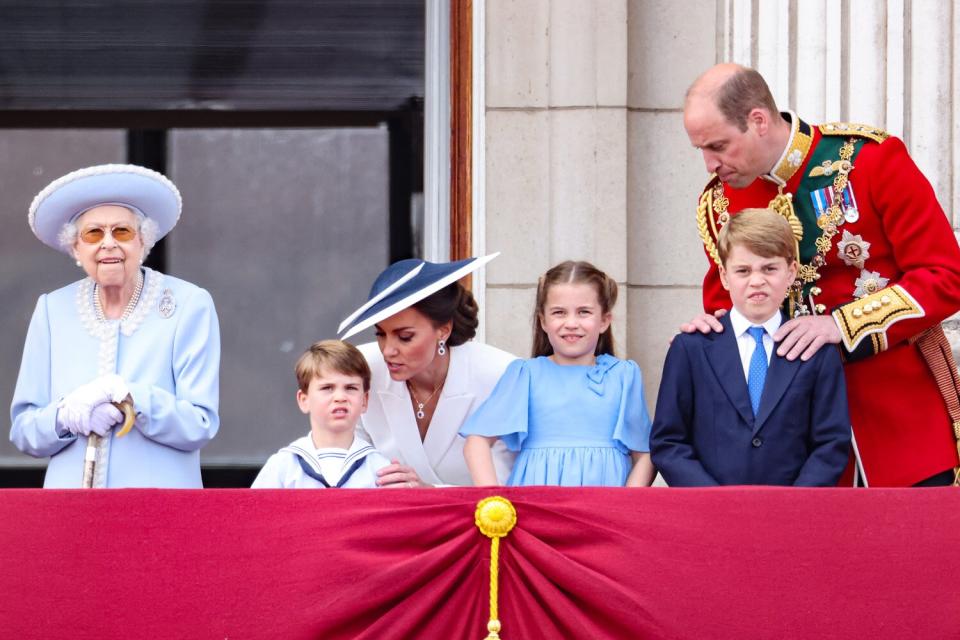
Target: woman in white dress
(428, 374)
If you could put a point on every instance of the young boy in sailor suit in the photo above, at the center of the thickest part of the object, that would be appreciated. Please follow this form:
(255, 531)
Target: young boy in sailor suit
(334, 382)
(732, 412)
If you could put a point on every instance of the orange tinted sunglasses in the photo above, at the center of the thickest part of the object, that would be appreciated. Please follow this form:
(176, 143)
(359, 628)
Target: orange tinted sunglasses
(120, 233)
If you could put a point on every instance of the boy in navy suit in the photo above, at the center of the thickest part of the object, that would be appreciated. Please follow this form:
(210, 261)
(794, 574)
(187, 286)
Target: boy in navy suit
(732, 412)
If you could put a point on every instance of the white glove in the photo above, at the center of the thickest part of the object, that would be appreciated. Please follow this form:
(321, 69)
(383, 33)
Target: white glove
(70, 422)
(75, 409)
(114, 386)
(104, 417)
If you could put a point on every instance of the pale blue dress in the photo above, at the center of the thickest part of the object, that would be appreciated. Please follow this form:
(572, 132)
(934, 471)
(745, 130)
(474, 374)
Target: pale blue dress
(572, 425)
(167, 351)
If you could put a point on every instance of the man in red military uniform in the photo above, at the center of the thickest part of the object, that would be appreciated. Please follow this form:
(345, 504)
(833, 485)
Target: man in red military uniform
(880, 267)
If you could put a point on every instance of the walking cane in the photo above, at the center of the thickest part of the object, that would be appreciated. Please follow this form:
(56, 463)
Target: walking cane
(93, 441)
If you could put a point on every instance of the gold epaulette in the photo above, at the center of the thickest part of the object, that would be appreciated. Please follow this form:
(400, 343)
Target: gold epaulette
(872, 315)
(707, 211)
(853, 129)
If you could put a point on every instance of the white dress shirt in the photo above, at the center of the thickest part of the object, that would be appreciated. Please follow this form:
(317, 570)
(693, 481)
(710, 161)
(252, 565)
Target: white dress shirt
(746, 343)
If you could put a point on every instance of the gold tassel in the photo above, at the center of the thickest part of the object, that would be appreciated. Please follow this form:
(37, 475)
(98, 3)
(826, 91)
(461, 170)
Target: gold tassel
(495, 517)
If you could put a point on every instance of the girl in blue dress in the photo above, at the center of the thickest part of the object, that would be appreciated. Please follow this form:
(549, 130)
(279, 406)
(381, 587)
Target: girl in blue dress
(574, 412)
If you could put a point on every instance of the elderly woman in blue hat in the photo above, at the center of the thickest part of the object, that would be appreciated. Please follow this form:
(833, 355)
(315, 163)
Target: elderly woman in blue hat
(428, 374)
(124, 332)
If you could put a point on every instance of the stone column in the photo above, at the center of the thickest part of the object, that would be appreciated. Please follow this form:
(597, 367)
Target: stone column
(668, 49)
(556, 151)
(586, 156)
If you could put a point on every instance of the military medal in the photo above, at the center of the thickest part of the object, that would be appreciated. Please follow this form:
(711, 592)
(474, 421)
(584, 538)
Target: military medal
(167, 304)
(849, 205)
(853, 250)
(869, 282)
(823, 198)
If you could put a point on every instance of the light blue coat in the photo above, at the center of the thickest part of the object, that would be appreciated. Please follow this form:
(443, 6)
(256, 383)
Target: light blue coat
(168, 352)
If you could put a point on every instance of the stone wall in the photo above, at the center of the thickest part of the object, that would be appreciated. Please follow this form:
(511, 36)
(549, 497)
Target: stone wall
(586, 156)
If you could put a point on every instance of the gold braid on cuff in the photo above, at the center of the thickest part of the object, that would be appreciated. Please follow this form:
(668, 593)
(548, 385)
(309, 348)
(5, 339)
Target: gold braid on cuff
(874, 314)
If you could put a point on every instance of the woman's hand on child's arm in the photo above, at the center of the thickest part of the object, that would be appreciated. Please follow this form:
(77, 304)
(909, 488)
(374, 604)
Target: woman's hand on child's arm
(477, 452)
(643, 472)
(399, 476)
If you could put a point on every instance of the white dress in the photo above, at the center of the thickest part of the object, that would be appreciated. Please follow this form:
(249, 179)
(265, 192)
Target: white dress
(391, 425)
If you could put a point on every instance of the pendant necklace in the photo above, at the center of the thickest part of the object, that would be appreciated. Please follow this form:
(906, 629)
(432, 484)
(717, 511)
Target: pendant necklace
(420, 405)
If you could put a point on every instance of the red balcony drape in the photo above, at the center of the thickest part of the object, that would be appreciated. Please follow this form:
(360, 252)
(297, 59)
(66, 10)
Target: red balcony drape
(581, 563)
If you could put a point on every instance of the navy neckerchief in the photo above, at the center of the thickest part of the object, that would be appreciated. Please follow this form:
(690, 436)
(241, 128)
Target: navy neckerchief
(310, 471)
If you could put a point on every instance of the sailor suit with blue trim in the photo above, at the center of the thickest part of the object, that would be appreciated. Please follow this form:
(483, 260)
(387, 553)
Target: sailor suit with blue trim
(301, 465)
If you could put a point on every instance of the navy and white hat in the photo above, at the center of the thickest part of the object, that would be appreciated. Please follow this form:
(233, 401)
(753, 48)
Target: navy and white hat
(402, 285)
(127, 185)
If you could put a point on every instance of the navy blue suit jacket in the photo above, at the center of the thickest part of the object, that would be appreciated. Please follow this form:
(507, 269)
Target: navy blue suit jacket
(704, 431)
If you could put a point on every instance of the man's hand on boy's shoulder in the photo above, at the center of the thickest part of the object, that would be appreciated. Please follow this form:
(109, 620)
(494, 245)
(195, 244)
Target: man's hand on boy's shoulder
(802, 337)
(705, 323)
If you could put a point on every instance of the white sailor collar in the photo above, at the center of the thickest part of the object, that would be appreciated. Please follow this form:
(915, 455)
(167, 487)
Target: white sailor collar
(305, 449)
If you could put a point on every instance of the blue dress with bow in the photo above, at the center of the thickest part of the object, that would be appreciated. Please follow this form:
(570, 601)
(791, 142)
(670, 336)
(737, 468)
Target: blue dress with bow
(572, 425)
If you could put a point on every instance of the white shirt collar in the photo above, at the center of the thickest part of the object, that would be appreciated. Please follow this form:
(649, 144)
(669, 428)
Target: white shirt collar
(740, 323)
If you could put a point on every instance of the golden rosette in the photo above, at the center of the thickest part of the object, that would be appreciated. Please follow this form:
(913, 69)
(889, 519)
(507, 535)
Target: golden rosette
(495, 516)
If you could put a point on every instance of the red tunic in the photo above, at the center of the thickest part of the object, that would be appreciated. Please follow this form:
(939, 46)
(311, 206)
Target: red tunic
(901, 427)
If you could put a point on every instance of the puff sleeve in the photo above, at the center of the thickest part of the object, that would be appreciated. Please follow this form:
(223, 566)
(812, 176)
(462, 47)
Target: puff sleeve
(505, 413)
(632, 430)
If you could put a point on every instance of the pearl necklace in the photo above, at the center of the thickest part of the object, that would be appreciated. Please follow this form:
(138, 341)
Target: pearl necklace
(131, 305)
(420, 405)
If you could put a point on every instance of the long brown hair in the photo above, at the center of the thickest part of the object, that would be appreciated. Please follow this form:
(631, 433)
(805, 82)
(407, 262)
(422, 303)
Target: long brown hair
(574, 272)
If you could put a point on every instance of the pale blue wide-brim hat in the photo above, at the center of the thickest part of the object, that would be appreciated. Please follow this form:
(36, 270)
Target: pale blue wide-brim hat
(128, 185)
(404, 284)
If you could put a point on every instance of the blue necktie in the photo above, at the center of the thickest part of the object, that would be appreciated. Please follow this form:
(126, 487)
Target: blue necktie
(758, 368)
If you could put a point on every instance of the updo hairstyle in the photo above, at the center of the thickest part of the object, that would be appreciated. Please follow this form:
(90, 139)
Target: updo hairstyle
(452, 304)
